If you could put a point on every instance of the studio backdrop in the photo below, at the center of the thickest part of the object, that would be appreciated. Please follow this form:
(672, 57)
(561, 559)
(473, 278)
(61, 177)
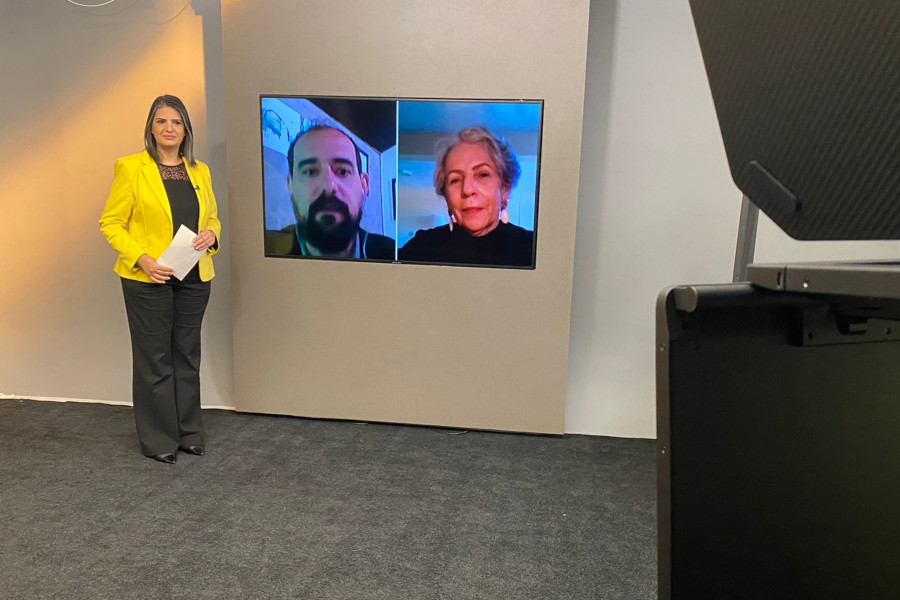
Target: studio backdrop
(374, 335)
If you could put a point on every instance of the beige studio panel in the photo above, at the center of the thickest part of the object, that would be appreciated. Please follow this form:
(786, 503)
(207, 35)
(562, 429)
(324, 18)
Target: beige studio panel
(481, 348)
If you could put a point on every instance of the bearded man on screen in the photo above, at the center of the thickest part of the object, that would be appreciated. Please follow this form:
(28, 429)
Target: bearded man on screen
(328, 193)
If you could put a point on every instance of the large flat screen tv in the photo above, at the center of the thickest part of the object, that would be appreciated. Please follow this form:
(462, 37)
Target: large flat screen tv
(447, 182)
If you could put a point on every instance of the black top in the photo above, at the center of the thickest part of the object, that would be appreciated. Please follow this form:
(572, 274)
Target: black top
(507, 245)
(185, 207)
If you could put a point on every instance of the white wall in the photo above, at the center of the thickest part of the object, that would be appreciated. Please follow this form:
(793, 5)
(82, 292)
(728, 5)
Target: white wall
(657, 207)
(77, 86)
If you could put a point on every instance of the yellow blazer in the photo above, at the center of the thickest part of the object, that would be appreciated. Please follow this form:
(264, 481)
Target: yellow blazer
(137, 218)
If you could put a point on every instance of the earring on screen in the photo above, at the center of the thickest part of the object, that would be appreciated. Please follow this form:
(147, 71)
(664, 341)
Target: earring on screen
(452, 221)
(504, 215)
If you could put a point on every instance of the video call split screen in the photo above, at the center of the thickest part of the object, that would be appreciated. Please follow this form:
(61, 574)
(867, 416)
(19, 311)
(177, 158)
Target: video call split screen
(446, 182)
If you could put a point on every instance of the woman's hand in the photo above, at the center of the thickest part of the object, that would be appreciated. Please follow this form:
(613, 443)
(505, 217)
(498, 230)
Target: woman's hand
(155, 271)
(204, 240)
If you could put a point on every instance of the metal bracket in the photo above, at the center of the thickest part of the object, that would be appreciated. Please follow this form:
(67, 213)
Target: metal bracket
(823, 325)
(746, 241)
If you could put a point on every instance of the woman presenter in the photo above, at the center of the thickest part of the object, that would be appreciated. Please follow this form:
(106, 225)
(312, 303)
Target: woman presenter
(154, 193)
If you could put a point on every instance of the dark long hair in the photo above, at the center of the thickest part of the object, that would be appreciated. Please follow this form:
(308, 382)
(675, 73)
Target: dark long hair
(187, 144)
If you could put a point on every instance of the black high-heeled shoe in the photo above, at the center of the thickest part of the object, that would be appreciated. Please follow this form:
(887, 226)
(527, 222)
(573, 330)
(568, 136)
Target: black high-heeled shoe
(167, 458)
(196, 450)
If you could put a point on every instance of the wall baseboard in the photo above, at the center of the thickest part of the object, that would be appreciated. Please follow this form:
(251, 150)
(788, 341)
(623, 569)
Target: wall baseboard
(88, 401)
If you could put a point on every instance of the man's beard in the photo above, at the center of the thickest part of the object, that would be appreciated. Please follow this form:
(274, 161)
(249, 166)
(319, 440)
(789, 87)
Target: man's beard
(329, 227)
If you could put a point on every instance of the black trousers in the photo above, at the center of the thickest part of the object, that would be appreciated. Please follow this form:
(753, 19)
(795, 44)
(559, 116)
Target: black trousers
(164, 321)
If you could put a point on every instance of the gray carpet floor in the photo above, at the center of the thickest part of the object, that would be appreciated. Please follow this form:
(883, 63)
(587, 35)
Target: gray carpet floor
(283, 507)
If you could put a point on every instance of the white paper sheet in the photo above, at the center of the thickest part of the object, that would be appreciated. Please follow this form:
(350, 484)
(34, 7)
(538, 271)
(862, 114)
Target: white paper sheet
(180, 255)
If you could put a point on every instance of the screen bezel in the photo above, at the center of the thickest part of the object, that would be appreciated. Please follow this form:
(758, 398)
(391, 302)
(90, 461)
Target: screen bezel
(397, 187)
